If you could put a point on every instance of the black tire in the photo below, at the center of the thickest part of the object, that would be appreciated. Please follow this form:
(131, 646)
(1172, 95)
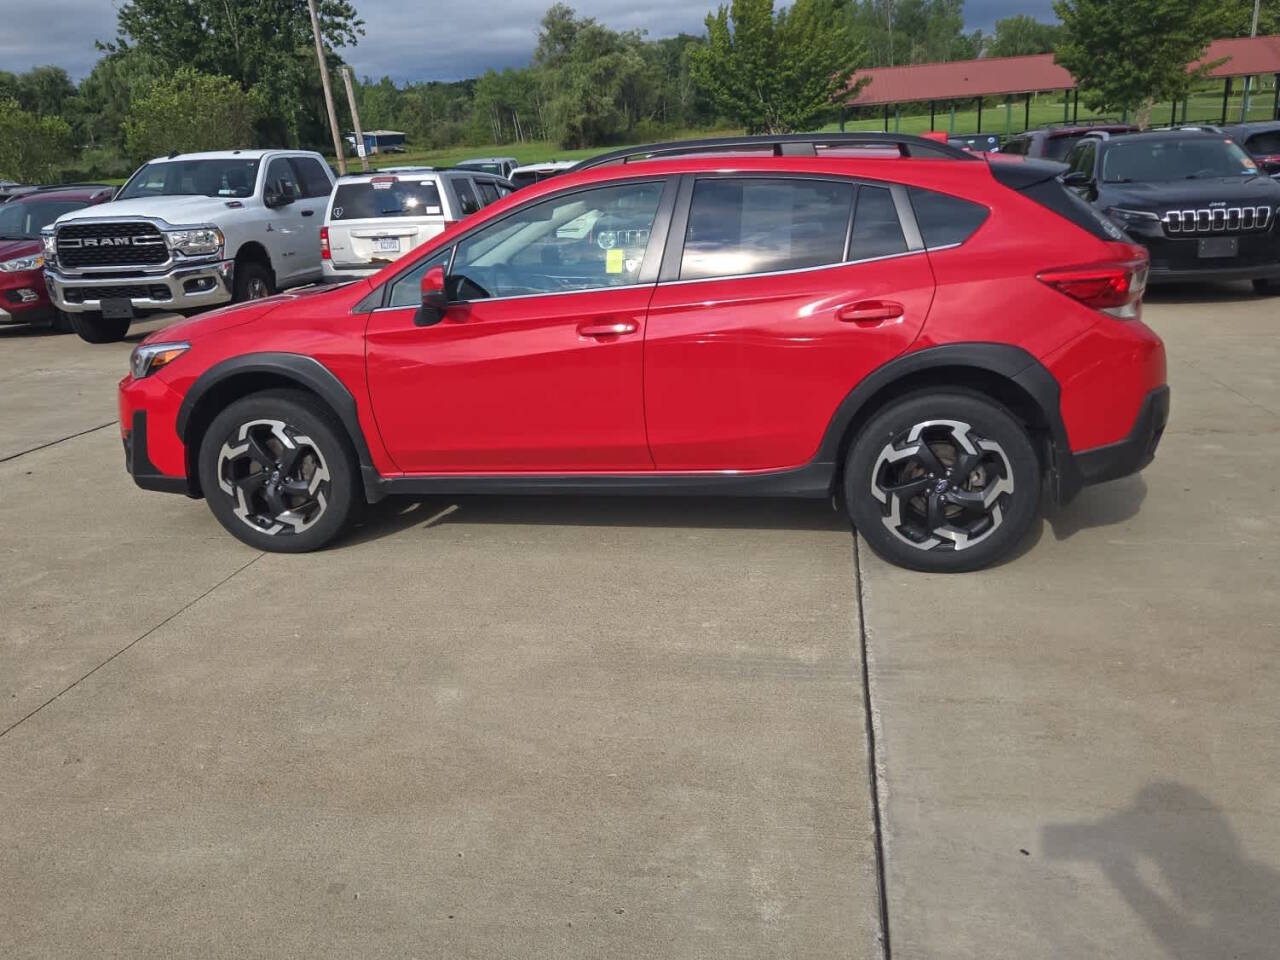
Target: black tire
(241, 490)
(61, 322)
(956, 509)
(93, 327)
(253, 281)
(1264, 286)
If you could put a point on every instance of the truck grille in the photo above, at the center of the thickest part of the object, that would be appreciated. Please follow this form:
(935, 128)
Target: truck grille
(133, 291)
(1217, 220)
(110, 245)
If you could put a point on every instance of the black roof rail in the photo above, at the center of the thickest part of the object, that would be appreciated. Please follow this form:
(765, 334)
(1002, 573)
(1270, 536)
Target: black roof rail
(783, 145)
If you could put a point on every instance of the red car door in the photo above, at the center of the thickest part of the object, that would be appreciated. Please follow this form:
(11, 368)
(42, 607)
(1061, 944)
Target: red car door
(537, 365)
(777, 311)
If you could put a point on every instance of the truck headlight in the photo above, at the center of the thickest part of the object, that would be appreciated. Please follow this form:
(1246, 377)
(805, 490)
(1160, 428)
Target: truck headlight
(32, 261)
(50, 243)
(197, 242)
(147, 358)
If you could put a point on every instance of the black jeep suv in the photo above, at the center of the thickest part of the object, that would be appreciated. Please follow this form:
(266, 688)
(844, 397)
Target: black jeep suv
(1195, 200)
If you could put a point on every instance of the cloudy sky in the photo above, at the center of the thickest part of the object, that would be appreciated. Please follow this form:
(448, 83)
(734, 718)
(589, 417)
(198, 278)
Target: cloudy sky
(413, 39)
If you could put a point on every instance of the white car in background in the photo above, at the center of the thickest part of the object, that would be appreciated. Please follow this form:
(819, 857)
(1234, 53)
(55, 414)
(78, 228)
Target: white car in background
(375, 218)
(532, 173)
(498, 166)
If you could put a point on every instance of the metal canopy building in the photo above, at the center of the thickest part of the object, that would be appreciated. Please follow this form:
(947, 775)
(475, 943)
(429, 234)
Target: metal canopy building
(1006, 76)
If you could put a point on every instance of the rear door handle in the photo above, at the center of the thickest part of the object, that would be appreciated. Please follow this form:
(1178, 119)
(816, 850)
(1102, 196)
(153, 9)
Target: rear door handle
(869, 312)
(308, 213)
(608, 328)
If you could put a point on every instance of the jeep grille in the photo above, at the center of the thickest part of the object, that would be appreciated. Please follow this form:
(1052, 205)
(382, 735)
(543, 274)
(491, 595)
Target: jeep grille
(110, 245)
(1217, 220)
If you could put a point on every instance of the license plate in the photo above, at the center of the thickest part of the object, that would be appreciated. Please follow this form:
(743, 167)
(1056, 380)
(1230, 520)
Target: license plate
(386, 245)
(117, 308)
(1218, 246)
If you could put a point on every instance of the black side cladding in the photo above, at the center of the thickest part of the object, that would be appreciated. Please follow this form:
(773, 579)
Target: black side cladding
(1038, 180)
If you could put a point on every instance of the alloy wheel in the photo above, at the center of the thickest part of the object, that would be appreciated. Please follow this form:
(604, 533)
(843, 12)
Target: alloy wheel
(942, 485)
(276, 476)
(257, 289)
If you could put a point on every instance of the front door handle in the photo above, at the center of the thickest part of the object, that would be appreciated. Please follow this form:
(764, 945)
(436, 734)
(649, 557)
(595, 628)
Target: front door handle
(608, 328)
(869, 312)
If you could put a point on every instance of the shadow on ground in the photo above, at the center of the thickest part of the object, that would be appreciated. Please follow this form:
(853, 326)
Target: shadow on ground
(1174, 860)
(396, 514)
(1100, 506)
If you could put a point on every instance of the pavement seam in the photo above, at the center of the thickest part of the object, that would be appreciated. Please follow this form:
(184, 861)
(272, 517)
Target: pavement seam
(181, 610)
(51, 443)
(873, 771)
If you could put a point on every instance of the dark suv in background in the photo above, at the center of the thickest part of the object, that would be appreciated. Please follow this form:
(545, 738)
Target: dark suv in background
(1195, 200)
(1261, 141)
(1055, 141)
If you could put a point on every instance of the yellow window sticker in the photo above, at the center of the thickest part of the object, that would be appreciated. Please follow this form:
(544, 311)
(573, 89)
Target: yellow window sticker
(613, 260)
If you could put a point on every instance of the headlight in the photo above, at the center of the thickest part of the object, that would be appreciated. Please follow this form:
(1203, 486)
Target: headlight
(50, 244)
(1132, 216)
(31, 262)
(147, 358)
(194, 243)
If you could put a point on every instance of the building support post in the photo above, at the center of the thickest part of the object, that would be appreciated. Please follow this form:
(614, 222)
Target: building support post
(1173, 114)
(932, 106)
(1075, 109)
(1226, 95)
(979, 116)
(951, 124)
(1275, 107)
(897, 118)
(844, 111)
(1026, 114)
(886, 118)
(1008, 115)
(1066, 106)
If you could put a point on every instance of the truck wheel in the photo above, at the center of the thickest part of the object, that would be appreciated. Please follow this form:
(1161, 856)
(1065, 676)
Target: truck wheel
(1264, 286)
(253, 282)
(93, 327)
(942, 482)
(278, 472)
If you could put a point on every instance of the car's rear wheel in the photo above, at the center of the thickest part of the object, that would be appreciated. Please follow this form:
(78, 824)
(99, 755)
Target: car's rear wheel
(278, 472)
(93, 327)
(942, 482)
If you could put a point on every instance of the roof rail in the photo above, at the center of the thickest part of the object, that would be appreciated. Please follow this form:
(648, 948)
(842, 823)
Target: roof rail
(74, 186)
(783, 145)
(1090, 122)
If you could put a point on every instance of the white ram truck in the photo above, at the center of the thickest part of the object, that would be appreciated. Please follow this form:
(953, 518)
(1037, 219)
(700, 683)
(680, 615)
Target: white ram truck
(189, 231)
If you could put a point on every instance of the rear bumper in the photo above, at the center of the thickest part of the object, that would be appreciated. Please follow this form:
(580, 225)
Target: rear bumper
(1115, 460)
(353, 271)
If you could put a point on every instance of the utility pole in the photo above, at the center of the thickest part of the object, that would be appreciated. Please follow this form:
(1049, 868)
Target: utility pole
(328, 93)
(1253, 32)
(355, 118)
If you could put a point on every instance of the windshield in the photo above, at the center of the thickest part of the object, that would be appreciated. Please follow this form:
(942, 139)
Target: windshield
(1145, 161)
(22, 219)
(229, 177)
(386, 197)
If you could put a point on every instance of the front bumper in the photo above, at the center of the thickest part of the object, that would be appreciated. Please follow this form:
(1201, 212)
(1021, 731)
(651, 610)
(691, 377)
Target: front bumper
(23, 299)
(1126, 456)
(1177, 260)
(138, 463)
(180, 288)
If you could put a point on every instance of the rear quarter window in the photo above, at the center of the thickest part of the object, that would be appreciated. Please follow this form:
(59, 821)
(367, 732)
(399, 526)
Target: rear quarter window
(398, 198)
(945, 220)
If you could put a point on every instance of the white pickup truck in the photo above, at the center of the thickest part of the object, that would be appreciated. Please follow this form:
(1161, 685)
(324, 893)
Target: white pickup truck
(189, 231)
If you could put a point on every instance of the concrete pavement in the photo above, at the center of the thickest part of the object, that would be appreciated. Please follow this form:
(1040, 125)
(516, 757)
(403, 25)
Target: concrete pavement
(611, 728)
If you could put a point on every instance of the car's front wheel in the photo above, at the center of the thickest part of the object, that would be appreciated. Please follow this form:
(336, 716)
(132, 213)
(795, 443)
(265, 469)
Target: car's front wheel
(93, 327)
(943, 482)
(278, 472)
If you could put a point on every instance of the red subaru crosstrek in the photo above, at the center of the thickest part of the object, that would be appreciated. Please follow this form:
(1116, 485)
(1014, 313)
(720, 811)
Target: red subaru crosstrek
(938, 338)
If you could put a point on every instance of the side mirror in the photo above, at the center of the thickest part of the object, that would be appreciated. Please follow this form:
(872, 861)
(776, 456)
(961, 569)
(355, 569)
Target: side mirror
(434, 299)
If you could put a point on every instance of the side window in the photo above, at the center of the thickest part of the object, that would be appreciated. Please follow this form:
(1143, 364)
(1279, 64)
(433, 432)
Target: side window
(311, 176)
(577, 241)
(945, 220)
(742, 225)
(468, 203)
(406, 289)
(488, 192)
(281, 177)
(877, 231)
(1080, 160)
(1017, 146)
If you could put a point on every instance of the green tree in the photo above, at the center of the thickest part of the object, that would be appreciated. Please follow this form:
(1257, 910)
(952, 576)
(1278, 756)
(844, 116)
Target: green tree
(776, 72)
(1021, 35)
(262, 44)
(1236, 17)
(32, 147)
(1126, 56)
(190, 111)
(898, 32)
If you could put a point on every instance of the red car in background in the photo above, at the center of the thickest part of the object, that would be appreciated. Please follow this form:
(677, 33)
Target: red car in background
(937, 338)
(23, 295)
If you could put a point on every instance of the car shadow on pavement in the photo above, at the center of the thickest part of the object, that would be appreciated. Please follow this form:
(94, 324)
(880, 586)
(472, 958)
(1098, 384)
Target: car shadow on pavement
(396, 514)
(1174, 860)
(1100, 506)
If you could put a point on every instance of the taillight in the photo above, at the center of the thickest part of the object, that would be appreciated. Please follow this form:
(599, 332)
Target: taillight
(1114, 287)
(324, 243)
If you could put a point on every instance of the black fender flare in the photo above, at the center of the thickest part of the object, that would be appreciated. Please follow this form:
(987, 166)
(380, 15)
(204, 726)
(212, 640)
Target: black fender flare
(1004, 360)
(308, 373)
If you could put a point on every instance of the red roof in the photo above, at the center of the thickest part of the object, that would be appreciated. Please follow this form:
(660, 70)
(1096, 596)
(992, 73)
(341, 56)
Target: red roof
(994, 76)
